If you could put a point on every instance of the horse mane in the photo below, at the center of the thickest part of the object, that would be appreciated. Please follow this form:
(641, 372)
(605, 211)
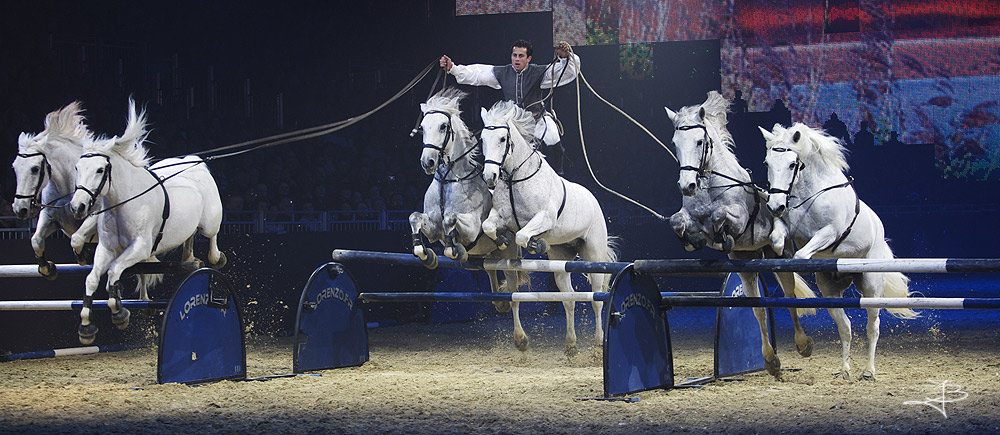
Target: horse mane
(817, 141)
(716, 117)
(447, 100)
(130, 144)
(504, 111)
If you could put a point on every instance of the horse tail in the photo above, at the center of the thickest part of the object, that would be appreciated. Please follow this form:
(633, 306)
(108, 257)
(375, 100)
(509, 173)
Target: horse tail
(897, 285)
(148, 281)
(802, 290)
(611, 254)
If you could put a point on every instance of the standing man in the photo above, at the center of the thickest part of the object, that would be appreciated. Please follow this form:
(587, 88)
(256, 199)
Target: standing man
(522, 82)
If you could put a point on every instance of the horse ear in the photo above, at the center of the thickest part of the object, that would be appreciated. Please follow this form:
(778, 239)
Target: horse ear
(670, 114)
(767, 135)
(482, 112)
(796, 136)
(701, 113)
(423, 107)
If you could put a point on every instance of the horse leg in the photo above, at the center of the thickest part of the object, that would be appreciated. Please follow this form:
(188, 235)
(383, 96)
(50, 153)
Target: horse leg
(831, 285)
(528, 238)
(84, 242)
(779, 236)
(420, 223)
(46, 226)
(520, 338)
(563, 283)
(495, 286)
(871, 285)
(819, 241)
(88, 331)
(132, 255)
(771, 361)
(804, 344)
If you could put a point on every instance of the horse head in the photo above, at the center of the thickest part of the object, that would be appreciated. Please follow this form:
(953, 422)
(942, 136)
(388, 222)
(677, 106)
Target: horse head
(32, 171)
(694, 141)
(794, 150)
(441, 127)
(499, 142)
(93, 170)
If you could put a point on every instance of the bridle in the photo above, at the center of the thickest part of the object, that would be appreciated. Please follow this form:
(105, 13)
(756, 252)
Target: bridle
(105, 179)
(706, 151)
(36, 196)
(795, 173)
(449, 135)
(508, 177)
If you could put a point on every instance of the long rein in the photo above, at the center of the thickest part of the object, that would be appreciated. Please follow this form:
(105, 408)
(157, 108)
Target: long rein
(270, 141)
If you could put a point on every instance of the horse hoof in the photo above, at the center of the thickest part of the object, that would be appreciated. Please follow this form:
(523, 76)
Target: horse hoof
(807, 350)
(727, 243)
(431, 262)
(48, 270)
(449, 252)
(689, 247)
(572, 351)
(773, 366)
(843, 374)
(222, 261)
(461, 254)
(86, 254)
(87, 333)
(504, 240)
(537, 246)
(502, 307)
(867, 375)
(120, 319)
(522, 345)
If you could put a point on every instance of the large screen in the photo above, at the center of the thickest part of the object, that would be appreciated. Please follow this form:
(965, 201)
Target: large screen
(906, 71)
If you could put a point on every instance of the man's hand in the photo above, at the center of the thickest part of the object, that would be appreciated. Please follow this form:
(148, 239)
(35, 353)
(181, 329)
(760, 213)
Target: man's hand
(563, 49)
(446, 63)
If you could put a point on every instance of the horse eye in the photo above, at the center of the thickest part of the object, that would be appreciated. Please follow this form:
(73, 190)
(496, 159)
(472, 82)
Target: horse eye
(503, 139)
(791, 166)
(100, 170)
(34, 170)
(700, 142)
(442, 127)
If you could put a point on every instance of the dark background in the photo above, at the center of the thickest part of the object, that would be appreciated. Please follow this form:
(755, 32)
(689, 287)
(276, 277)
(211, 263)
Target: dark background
(212, 74)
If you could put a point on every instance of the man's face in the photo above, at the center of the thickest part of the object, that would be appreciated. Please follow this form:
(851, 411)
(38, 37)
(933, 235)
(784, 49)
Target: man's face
(519, 58)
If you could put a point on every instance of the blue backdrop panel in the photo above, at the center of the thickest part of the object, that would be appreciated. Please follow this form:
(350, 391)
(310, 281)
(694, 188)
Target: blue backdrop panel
(331, 329)
(737, 334)
(637, 353)
(464, 281)
(202, 337)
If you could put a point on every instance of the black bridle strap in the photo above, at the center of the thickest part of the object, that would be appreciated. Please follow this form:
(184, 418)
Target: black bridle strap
(447, 136)
(847, 231)
(704, 151)
(166, 210)
(36, 197)
(105, 179)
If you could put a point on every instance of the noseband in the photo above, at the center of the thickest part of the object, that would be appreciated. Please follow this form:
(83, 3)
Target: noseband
(105, 179)
(706, 151)
(46, 169)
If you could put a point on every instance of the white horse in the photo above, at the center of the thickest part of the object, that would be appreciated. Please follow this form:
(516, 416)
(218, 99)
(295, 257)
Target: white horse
(721, 207)
(457, 200)
(145, 213)
(547, 213)
(44, 167)
(826, 219)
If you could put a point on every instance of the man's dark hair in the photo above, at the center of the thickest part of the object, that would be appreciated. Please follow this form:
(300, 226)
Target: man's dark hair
(528, 49)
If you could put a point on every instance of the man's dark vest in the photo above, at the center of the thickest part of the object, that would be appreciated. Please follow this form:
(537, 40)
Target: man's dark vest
(524, 88)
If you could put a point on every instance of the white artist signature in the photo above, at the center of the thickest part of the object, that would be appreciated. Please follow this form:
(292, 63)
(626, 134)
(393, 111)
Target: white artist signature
(949, 393)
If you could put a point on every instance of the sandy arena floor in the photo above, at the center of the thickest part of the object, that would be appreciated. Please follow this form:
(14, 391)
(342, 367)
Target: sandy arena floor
(469, 378)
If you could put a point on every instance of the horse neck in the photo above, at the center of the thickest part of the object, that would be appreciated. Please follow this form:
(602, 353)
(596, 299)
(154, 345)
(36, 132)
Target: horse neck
(722, 159)
(817, 174)
(461, 145)
(62, 158)
(520, 151)
(127, 180)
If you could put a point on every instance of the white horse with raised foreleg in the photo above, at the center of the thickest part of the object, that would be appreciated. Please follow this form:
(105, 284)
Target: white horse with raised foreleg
(146, 213)
(547, 213)
(826, 219)
(45, 171)
(457, 200)
(721, 207)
